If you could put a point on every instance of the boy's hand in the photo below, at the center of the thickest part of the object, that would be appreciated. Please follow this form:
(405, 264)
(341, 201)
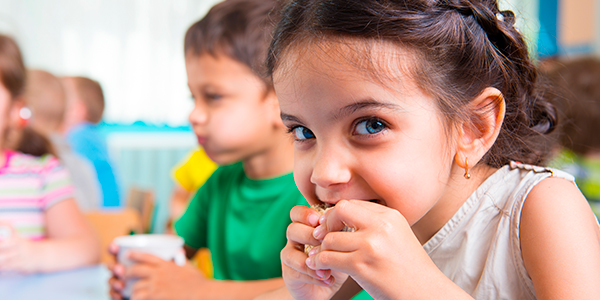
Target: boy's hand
(116, 282)
(301, 281)
(17, 254)
(159, 279)
(383, 255)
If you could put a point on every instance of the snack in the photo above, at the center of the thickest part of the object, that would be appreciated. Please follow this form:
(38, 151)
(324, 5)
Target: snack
(321, 208)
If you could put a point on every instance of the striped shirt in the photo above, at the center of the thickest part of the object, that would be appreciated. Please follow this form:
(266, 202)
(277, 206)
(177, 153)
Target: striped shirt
(30, 185)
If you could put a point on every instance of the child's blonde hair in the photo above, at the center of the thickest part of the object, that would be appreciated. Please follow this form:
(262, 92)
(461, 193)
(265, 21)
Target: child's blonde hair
(461, 47)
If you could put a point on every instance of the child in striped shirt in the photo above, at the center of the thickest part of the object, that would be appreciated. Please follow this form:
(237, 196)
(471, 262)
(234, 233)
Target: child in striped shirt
(41, 227)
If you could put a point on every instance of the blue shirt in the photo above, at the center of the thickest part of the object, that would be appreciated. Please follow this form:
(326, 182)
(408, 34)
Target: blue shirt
(85, 140)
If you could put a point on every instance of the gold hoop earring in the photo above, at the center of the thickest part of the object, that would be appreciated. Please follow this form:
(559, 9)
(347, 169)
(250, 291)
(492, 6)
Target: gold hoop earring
(467, 175)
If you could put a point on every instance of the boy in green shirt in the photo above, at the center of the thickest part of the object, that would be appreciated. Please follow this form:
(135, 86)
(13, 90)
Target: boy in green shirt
(242, 211)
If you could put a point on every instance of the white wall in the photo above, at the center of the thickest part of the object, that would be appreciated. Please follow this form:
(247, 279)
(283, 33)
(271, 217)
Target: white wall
(133, 47)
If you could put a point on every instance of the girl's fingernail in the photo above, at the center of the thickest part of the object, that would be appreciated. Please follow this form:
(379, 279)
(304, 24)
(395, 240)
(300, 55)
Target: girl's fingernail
(313, 251)
(322, 219)
(313, 219)
(320, 273)
(317, 232)
(309, 262)
(328, 281)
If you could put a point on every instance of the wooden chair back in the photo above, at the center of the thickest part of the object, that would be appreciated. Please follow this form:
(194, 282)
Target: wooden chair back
(111, 224)
(142, 200)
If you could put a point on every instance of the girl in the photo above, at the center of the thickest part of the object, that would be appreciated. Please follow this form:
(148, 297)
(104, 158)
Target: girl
(410, 117)
(41, 228)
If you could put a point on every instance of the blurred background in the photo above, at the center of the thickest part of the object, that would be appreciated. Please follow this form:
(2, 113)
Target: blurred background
(134, 48)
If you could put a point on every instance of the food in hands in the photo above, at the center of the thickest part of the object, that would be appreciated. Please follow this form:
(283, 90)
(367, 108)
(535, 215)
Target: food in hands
(321, 208)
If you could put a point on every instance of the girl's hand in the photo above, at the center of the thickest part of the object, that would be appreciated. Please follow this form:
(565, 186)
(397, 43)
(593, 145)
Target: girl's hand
(302, 282)
(382, 255)
(17, 254)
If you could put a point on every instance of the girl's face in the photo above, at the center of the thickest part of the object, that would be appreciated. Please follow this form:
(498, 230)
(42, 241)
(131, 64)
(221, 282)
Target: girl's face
(358, 138)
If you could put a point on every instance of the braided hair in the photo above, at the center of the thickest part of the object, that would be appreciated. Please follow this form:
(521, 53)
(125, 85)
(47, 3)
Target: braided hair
(463, 46)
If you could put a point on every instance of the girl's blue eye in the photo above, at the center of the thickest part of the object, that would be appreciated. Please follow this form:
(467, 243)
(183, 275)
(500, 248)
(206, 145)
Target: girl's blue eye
(370, 126)
(302, 133)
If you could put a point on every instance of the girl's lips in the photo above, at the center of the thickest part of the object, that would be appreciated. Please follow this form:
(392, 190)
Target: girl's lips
(331, 203)
(201, 140)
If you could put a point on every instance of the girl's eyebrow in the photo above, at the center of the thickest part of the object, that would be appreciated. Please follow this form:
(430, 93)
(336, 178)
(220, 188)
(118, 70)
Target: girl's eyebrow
(363, 104)
(286, 117)
(349, 109)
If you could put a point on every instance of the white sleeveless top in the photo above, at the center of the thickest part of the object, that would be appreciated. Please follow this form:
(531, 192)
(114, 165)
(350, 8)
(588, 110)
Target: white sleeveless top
(479, 248)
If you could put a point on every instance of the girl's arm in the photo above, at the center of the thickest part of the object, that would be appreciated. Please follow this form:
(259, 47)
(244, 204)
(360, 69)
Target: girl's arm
(71, 242)
(560, 240)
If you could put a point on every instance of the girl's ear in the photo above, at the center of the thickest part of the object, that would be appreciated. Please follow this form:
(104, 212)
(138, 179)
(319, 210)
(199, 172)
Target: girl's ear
(17, 118)
(477, 134)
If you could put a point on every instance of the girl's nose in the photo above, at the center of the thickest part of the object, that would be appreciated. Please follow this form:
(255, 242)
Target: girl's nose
(330, 168)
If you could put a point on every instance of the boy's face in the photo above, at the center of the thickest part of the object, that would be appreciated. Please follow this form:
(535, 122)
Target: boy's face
(234, 117)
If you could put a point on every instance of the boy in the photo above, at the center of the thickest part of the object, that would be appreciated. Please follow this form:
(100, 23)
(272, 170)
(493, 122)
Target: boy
(85, 106)
(45, 97)
(242, 211)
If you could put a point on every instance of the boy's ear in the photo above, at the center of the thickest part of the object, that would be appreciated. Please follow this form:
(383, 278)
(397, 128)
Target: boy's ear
(477, 134)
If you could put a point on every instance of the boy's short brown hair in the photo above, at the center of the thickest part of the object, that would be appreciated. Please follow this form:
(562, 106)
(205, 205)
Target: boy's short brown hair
(12, 68)
(579, 80)
(90, 93)
(240, 29)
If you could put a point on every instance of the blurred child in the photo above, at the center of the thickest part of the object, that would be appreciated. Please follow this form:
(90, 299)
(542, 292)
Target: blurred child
(188, 175)
(422, 122)
(85, 106)
(42, 228)
(242, 211)
(45, 98)
(580, 134)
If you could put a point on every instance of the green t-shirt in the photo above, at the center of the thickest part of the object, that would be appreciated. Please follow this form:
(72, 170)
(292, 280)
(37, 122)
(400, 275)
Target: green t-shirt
(242, 222)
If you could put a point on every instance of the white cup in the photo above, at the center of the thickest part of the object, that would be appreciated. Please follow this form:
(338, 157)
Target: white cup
(167, 247)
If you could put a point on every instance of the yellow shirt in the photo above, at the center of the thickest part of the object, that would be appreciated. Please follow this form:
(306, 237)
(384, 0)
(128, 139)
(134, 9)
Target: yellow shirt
(192, 172)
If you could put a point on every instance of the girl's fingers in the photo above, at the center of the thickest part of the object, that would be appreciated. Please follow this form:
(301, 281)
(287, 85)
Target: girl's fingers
(325, 260)
(355, 214)
(6, 257)
(301, 234)
(305, 215)
(295, 260)
(341, 241)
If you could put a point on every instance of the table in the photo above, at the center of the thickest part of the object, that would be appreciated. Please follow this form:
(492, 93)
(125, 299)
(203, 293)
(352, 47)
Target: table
(89, 283)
